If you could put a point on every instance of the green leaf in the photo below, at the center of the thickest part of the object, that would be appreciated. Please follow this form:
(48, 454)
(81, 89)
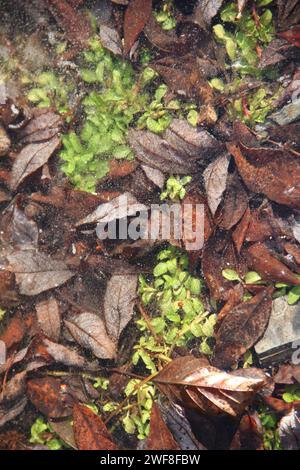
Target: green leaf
(230, 46)
(230, 275)
(252, 277)
(160, 269)
(293, 295)
(217, 84)
(193, 117)
(219, 31)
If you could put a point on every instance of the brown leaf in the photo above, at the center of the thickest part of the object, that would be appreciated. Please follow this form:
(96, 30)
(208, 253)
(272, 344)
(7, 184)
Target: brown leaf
(206, 10)
(234, 205)
(89, 331)
(239, 233)
(260, 259)
(31, 158)
(273, 172)
(36, 272)
(45, 125)
(48, 316)
(160, 438)
(166, 41)
(120, 295)
(215, 178)
(64, 355)
(242, 328)
(249, 435)
(89, 430)
(75, 24)
(209, 388)
(287, 374)
(289, 430)
(14, 332)
(136, 16)
(9, 413)
(183, 76)
(50, 396)
(177, 151)
(219, 253)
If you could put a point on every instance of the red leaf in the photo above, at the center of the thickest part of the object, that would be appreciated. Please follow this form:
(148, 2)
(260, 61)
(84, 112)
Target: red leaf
(136, 16)
(89, 430)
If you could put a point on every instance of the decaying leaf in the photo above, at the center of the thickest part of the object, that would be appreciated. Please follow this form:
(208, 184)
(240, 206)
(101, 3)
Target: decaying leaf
(210, 389)
(48, 316)
(89, 430)
(37, 272)
(118, 303)
(89, 331)
(50, 396)
(45, 125)
(31, 158)
(242, 328)
(273, 172)
(215, 177)
(260, 259)
(136, 16)
(178, 151)
(160, 438)
(289, 430)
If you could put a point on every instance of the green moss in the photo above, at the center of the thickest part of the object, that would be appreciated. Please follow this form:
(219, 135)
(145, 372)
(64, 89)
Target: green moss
(41, 433)
(49, 89)
(175, 190)
(178, 317)
(165, 16)
(251, 31)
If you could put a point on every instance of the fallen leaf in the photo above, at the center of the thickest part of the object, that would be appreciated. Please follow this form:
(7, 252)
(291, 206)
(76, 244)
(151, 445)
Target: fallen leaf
(234, 205)
(48, 316)
(9, 413)
(242, 328)
(37, 272)
(31, 158)
(273, 172)
(76, 25)
(160, 438)
(90, 432)
(205, 11)
(178, 151)
(89, 331)
(50, 396)
(287, 374)
(118, 208)
(14, 332)
(183, 76)
(43, 126)
(239, 233)
(209, 388)
(249, 435)
(136, 16)
(120, 295)
(215, 177)
(261, 260)
(289, 430)
(64, 355)
(110, 39)
(175, 418)
(219, 253)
